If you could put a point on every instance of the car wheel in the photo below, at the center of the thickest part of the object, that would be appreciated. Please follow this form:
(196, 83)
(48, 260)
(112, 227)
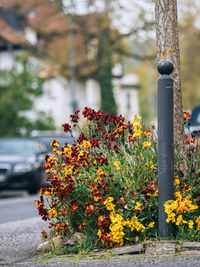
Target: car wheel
(33, 190)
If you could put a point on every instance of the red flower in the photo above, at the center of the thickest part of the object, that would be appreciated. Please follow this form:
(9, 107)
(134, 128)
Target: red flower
(103, 221)
(75, 117)
(74, 205)
(67, 127)
(94, 142)
(105, 238)
(81, 138)
(44, 234)
(198, 201)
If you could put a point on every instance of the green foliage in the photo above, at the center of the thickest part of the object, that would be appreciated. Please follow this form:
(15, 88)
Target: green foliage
(19, 87)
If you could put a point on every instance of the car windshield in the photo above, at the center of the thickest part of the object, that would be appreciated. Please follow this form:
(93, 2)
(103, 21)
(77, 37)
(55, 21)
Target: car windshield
(20, 147)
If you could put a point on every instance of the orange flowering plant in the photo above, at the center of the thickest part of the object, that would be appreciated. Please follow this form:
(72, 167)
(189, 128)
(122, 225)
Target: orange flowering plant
(105, 185)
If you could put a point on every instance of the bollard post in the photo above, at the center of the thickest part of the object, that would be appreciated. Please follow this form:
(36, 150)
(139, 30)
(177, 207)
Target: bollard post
(165, 144)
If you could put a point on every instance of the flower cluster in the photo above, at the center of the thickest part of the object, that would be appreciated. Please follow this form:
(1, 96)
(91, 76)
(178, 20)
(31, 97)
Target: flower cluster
(183, 211)
(118, 223)
(105, 185)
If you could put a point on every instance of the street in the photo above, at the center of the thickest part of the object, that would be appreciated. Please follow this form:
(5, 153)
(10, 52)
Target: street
(16, 206)
(20, 227)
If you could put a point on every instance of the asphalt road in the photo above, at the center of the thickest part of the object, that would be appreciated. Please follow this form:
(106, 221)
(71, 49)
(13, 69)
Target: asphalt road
(20, 228)
(16, 206)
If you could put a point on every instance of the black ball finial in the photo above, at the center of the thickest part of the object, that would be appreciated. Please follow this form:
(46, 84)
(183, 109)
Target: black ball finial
(165, 66)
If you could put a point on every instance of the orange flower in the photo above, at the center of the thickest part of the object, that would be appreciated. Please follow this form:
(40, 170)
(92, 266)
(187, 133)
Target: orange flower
(186, 115)
(89, 209)
(147, 132)
(131, 138)
(97, 198)
(74, 204)
(82, 226)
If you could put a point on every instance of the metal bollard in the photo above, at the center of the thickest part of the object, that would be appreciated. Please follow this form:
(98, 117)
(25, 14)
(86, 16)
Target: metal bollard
(165, 144)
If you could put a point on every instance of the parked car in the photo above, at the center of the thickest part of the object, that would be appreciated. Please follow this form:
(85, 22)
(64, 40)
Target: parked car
(47, 136)
(21, 163)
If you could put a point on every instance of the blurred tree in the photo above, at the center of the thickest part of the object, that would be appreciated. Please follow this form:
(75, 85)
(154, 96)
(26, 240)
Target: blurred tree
(18, 89)
(89, 34)
(104, 78)
(190, 60)
(168, 46)
(147, 94)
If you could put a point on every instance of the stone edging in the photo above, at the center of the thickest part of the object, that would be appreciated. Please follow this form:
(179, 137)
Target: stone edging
(149, 249)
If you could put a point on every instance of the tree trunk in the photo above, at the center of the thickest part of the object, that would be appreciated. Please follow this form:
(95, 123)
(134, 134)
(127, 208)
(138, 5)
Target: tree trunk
(104, 78)
(168, 46)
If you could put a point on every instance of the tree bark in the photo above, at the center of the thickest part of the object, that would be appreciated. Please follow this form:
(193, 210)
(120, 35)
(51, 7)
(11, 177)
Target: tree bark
(168, 46)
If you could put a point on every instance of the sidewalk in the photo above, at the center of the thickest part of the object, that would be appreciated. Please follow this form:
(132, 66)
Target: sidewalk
(161, 254)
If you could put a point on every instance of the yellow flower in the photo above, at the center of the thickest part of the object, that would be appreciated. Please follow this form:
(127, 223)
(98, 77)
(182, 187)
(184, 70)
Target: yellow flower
(198, 223)
(67, 150)
(151, 224)
(99, 233)
(54, 143)
(152, 167)
(138, 206)
(146, 144)
(171, 217)
(81, 154)
(100, 172)
(152, 124)
(137, 133)
(156, 193)
(190, 224)
(136, 119)
(116, 228)
(85, 144)
(109, 205)
(68, 169)
(96, 198)
(53, 213)
(117, 165)
(179, 219)
(164, 53)
(176, 181)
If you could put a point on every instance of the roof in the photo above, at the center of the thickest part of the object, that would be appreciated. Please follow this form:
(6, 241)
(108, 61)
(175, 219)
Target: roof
(10, 32)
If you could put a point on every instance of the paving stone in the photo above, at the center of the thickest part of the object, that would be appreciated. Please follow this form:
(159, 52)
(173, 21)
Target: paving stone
(191, 245)
(160, 248)
(45, 246)
(135, 249)
(190, 252)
